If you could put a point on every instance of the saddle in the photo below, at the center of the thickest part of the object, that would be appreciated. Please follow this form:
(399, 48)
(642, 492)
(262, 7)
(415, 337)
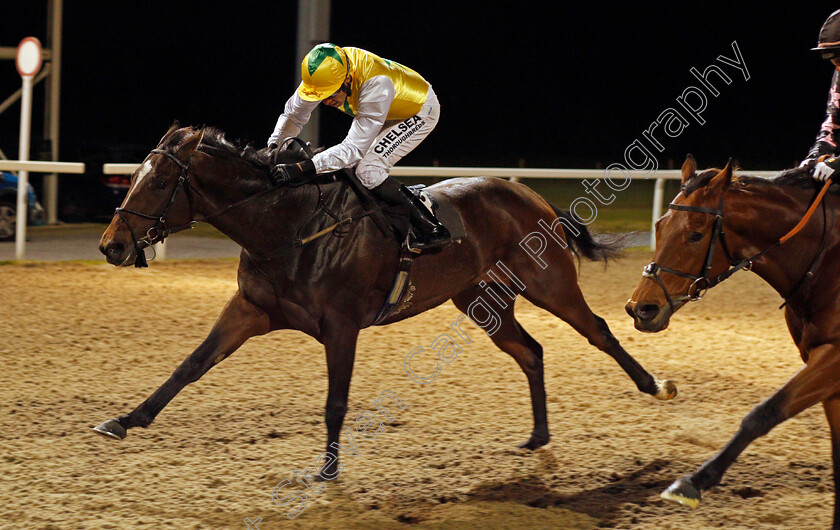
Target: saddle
(390, 220)
(399, 224)
(394, 221)
(397, 219)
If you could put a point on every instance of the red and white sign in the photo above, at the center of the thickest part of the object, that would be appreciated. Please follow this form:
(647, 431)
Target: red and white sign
(28, 58)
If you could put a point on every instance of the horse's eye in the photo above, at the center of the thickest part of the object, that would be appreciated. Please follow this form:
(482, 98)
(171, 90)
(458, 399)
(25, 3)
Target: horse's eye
(161, 184)
(695, 237)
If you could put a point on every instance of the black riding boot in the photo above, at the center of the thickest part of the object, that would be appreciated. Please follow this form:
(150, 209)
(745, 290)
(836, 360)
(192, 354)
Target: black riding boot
(430, 233)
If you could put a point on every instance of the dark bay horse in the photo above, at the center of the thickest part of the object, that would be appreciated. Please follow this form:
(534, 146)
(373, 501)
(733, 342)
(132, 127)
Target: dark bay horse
(332, 287)
(719, 224)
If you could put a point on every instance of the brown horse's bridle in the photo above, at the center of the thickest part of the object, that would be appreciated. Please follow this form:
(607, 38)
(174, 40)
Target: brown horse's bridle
(702, 282)
(160, 230)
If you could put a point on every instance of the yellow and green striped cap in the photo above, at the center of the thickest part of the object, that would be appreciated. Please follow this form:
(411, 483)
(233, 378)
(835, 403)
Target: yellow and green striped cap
(322, 72)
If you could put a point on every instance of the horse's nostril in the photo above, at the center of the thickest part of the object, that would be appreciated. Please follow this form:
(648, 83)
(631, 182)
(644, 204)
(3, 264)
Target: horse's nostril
(114, 250)
(647, 311)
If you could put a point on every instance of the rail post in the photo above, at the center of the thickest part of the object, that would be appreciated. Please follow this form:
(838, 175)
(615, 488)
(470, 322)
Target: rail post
(28, 63)
(658, 192)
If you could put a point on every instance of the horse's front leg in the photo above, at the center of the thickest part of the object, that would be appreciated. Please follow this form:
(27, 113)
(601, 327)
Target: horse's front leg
(339, 340)
(818, 380)
(239, 320)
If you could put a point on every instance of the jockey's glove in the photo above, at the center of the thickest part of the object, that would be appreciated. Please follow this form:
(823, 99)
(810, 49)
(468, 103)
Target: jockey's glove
(827, 169)
(293, 173)
(808, 164)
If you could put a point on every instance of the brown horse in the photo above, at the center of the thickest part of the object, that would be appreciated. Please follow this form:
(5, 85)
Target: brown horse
(332, 287)
(718, 225)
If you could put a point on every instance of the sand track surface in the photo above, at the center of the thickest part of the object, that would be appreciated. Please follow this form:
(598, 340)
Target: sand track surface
(83, 343)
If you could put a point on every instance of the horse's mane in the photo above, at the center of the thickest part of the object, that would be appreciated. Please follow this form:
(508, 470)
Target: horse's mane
(795, 177)
(215, 139)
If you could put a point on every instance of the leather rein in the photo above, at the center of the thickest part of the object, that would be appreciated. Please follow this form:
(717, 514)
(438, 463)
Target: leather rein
(161, 230)
(703, 281)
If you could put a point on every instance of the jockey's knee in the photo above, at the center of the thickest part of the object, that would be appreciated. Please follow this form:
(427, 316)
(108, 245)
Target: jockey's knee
(370, 175)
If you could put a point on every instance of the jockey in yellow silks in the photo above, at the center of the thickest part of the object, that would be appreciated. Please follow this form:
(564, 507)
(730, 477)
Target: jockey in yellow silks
(393, 110)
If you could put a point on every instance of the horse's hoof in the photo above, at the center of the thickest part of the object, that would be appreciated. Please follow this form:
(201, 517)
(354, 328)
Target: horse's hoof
(319, 477)
(534, 442)
(683, 492)
(111, 429)
(316, 477)
(665, 390)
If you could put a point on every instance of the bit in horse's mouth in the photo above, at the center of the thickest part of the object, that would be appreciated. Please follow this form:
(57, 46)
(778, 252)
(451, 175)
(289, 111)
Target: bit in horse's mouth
(125, 262)
(655, 325)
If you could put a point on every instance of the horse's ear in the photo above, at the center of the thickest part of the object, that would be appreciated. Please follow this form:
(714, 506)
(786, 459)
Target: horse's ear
(689, 168)
(192, 143)
(172, 128)
(724, 178)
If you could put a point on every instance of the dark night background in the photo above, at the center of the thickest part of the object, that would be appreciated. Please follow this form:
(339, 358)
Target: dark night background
(556, 84)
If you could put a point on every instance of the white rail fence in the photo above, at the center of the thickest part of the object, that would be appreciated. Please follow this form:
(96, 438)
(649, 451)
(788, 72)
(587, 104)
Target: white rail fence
(22, 206)
(659, 177)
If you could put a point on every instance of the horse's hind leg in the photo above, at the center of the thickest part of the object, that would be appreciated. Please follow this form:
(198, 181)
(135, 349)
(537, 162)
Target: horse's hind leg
(511, 338)
(569, 305)
(239, 321)
(832, 412)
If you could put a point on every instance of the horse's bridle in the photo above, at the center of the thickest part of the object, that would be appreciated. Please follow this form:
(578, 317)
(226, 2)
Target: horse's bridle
(160, 230)
(702, 282)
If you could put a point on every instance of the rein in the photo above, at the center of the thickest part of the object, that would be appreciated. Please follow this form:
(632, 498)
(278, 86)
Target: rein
(298, 241)
(702, 282)
(160, 230)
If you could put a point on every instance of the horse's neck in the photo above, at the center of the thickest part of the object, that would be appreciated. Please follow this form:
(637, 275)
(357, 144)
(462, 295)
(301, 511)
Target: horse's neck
(225, 189)
(756, 219)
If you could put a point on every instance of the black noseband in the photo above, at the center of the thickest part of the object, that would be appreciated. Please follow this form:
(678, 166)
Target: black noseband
(160, 230)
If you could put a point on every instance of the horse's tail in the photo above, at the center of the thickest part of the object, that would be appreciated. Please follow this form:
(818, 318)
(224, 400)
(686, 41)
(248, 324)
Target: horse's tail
(582, 242)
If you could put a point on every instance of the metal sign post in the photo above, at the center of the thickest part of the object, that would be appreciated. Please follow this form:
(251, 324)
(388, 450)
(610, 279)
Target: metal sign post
(28, 63)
